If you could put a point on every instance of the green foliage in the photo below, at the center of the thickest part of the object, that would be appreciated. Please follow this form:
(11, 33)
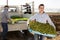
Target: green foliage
(42, 27)
(15, 16)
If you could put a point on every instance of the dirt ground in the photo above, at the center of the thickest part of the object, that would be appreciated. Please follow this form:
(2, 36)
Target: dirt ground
(17, 35)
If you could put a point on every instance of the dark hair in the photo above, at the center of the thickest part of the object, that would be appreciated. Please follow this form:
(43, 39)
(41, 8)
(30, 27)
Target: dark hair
(41, 5)
(6, 6)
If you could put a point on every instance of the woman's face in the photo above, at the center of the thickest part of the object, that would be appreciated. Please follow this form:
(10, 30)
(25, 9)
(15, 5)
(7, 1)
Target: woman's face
(41, 9)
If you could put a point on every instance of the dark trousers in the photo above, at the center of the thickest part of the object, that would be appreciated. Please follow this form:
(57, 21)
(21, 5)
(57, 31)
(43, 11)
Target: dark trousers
(5, 30)
(36, 37)
(41, 37)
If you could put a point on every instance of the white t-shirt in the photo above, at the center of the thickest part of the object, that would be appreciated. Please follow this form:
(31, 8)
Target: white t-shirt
(42, 18)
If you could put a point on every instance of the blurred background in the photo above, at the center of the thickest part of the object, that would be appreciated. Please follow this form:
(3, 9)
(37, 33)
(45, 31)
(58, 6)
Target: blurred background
(21, 10)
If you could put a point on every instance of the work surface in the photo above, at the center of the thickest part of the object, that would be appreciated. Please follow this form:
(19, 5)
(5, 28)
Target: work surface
(17, 26)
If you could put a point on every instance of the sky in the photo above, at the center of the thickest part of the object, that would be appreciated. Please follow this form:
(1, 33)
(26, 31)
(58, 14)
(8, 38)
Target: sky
(49, 4)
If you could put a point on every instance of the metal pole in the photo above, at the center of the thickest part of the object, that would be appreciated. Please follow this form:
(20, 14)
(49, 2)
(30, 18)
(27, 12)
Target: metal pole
(33, 7)
(21, 11)
(21, 8)
(7, 2)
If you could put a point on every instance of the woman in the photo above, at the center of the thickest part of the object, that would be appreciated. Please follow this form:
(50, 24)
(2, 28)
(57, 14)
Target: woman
(41, 17)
